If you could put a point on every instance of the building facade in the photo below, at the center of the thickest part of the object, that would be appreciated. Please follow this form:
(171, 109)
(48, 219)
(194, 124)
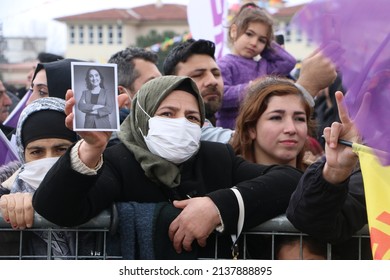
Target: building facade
(295, 41)
(22, 49)
(97, 35)
(20, 55)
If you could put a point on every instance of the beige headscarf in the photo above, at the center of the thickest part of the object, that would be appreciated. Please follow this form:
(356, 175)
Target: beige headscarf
(149, 98)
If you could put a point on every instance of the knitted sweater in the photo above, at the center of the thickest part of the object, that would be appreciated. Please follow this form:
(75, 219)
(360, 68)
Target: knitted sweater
(238, 71)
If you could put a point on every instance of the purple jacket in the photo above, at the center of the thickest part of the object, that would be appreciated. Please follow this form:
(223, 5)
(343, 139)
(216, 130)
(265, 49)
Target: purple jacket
(238, 71)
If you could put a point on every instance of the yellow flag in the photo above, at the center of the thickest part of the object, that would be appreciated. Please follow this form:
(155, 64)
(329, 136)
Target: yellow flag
(376, 178)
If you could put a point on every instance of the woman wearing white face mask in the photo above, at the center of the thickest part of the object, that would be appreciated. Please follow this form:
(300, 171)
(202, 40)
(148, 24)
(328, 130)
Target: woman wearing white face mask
(41, 138)
(161, 159)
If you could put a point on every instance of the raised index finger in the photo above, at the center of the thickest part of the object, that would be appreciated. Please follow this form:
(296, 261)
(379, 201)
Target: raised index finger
(342, 109)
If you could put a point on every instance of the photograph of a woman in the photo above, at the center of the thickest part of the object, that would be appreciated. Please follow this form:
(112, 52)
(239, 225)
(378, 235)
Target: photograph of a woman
(96, 99)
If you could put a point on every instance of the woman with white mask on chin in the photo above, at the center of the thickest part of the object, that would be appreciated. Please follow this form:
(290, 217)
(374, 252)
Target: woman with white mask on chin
(161, 159)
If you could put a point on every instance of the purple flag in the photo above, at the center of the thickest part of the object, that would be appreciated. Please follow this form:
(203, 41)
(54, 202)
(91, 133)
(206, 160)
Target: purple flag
(207, 20)
(7, 154)
(362, 29)
(13, 118)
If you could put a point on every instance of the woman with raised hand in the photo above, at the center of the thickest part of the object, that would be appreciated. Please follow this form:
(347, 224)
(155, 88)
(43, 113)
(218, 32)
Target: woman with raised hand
(273, 128)
(161, 159)
(329, 202)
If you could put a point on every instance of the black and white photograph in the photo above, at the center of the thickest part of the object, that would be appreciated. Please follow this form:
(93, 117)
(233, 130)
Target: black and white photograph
(95, 90)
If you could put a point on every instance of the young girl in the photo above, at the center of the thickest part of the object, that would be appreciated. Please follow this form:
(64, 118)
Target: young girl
(250, 34)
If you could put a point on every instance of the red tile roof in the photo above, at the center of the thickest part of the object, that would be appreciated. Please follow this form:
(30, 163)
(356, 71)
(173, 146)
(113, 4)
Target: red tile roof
(151, 12)
(288, 11)
(164, 12)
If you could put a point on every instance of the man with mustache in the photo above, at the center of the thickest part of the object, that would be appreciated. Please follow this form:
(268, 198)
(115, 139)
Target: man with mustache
(195, 59)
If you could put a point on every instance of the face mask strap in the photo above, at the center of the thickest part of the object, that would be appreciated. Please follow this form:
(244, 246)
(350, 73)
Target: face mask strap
(129, 95)
(136, 119)
(139, 105)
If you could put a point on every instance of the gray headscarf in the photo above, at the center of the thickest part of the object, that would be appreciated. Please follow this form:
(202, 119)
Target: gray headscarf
(149, 97)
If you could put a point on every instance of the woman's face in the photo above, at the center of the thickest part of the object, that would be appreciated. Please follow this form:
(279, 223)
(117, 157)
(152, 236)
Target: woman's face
(180, 104)
(280, 132)
(94, 78)
(39, 87)
(46, 148)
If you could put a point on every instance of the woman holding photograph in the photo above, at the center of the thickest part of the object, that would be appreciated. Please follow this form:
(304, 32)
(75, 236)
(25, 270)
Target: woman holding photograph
(95, 102)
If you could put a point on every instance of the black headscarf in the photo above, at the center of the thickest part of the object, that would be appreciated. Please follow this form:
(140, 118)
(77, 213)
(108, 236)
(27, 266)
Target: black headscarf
(43, 118)
(58, 74)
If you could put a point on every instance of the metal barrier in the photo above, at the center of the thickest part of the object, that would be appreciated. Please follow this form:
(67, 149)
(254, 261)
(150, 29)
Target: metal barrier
(14, 243)
(263, 238)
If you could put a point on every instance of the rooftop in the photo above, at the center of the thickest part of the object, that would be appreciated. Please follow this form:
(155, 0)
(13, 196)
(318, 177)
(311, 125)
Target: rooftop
(151, 12)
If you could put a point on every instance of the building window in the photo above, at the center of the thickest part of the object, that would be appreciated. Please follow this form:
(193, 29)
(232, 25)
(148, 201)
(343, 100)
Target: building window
(72, 34)
(90, 32)
(299, 35)
(100, 35)
(81, 34)
(28, 45)
(4, 45)
(110, 35)
(309, 42)
(119, 34)
(288, 32)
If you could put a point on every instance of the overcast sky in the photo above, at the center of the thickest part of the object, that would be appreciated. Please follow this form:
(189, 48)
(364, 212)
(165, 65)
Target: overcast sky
(34, 17)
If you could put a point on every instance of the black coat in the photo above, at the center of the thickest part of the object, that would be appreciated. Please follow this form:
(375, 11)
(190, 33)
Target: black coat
(68, 198)
(332, 213)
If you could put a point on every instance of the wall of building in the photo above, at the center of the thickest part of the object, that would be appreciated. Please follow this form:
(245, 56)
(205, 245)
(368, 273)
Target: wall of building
(108, 38)
(20, 49)
(16, 74)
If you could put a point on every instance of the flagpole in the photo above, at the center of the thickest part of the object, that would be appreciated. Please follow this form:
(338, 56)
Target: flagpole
(342, 141)
(345, 142)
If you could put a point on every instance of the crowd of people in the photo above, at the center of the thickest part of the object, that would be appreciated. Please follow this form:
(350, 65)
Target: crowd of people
(207, 147)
